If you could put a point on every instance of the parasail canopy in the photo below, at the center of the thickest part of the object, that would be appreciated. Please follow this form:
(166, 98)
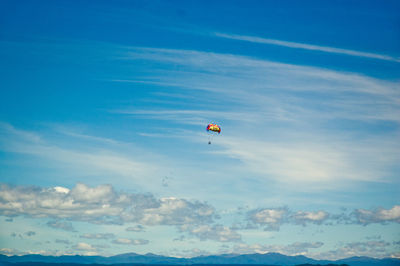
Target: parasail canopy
(214, 128)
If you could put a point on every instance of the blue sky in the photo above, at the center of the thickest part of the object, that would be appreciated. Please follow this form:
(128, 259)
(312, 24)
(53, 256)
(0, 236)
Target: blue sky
(103, 109)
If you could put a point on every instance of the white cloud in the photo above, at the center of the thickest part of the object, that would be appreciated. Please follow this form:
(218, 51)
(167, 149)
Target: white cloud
(297, 248)
(375, 249)
(81, 158)
(9, 251)
(305, 46)
(101, 204)
(322, 161)
(84, 247)
(16, 252)
(218, 233)
(272, 218)
(288, 112)
(62, 190)
(379, 215)
(173, 211)
(303, 217)
(245, 79)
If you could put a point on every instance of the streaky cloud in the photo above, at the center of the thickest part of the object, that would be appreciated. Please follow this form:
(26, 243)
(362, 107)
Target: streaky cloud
(305, 46)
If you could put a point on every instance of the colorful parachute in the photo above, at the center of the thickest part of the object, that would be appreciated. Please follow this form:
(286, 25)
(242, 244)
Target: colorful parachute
(214, 128)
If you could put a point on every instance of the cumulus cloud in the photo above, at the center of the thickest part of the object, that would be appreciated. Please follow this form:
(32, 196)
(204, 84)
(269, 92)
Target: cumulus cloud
(101, 205)
(98, 236)
(379, 215)
(9, 251)
(128, 241)
(84, 247)
(173, 211)
(104, 205)
(271, 218)
(16, 252)
(215, 232)
(303, 217)
(377, 249)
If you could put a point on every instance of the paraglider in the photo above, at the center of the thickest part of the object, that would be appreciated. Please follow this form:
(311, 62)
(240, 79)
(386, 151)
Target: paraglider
(213, 129)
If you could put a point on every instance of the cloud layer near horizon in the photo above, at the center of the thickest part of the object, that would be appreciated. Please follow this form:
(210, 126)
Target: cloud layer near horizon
(104, 205)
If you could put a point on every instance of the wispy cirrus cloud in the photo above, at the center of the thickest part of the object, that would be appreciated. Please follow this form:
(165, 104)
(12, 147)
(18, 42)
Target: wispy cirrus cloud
(305, 46)
(302, 160)
(246, 79)
(89, 155)
(317, 114)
